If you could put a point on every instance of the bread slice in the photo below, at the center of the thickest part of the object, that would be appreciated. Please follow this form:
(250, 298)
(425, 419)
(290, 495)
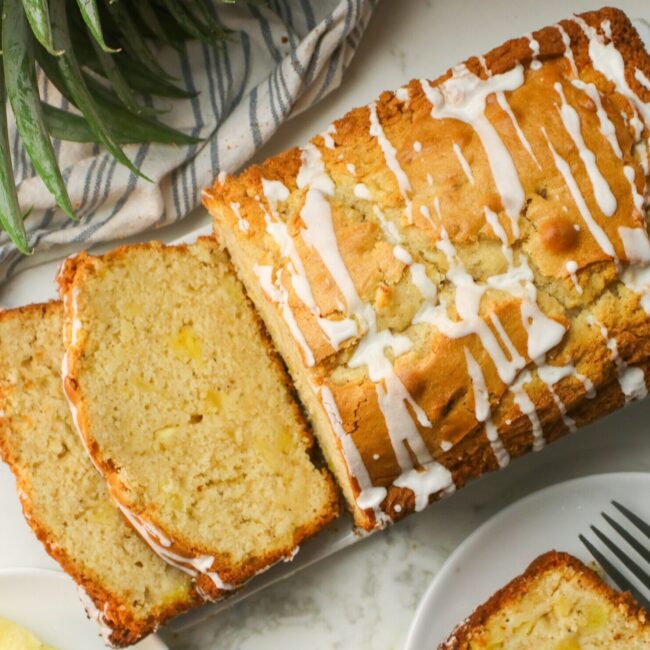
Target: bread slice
(188, 413)
(458, 273)
(556, 604)
(124, 585)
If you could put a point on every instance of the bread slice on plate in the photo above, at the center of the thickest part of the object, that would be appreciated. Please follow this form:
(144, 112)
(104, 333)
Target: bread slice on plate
(187, 411)
(556, 604)
(457, 273)
(124, 585)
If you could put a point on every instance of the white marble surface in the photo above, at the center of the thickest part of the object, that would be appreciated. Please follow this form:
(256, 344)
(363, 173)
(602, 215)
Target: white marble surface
(365, 596)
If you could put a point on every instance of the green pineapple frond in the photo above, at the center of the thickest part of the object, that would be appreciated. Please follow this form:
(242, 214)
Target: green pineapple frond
(97, 54)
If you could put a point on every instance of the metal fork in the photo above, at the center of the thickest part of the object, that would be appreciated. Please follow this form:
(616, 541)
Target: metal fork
(641, 549)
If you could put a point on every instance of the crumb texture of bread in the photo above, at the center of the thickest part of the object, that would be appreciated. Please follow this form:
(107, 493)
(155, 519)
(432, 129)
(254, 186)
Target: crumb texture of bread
(557, 604)
(65, 500)
(458, 273)
(188, 413)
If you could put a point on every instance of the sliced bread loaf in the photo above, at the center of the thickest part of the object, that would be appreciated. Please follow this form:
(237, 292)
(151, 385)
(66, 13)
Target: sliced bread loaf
(187, 411)
(125, 586)
(556, 604)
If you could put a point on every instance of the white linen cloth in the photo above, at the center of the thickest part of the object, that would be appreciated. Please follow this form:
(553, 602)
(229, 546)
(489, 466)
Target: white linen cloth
(283, 56)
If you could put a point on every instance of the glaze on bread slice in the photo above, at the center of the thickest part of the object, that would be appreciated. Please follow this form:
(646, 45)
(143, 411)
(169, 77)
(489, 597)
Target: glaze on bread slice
(124, 585)
(556, 604)
(187, 411)
(458, 273)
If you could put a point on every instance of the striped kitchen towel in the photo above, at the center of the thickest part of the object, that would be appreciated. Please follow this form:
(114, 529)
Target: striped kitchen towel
(284, 56)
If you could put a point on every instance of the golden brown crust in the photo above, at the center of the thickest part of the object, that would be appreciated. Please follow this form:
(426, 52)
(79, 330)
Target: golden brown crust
(461, 637)
(235, 575)
(553, 233)
(125, 627)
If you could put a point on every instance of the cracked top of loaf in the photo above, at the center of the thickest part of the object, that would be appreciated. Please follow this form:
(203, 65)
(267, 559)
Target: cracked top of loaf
(457, 272)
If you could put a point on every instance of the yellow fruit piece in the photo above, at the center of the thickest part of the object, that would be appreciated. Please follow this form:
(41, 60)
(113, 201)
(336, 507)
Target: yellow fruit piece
(165, 437)
(570, 643)
(596, 618)
(213, 401)
(186, 344)
(285, 441)
(15, 637)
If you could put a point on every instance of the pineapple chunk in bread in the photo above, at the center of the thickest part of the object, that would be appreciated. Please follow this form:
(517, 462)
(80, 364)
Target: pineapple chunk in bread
(187, 412)
(130, 590)
(556, 604)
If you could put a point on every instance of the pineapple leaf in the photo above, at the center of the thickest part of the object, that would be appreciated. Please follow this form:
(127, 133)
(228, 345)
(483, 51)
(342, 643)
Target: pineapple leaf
(22, 90)
(74, 128)
(149, 17)
(38, 15)
(119, 83)
(184, 19)
(133, 41)
(11, 218)
(74, 81)
(90, 14)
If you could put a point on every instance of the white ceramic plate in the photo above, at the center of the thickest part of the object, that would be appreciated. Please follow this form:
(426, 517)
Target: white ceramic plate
(46, 603)
(502, 547)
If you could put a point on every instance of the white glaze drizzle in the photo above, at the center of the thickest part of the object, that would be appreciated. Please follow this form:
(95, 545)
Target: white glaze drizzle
(394, 400)
(312, 176)
(551, 375)
(568, 52)
(571, 267)
(467, 299)
(361, 191)
(602, 191)
(96, 615)
(390, 156)
(275, 192)
(639, 75)
(607, 60)
(527, 407)
(402, 94)
(635, 244)
(352, 169)
(482, 409)
(637, 197)
(312, 173)
(463, 97)
(388, 227)
(607, 127)
(328, 140)
(598, 233)
(636, 276)
(630, 378)
(505, 106)
(417, 146)
(533, 43)
(336, 331)
(641, 152)
(278, 294)
(467, 170)
(160, 545)
(484, 66)
(241, 222)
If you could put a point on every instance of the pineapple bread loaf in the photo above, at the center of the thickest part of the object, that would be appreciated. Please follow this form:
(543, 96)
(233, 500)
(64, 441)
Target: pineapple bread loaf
(187, 412)
(123, 584)
(556, 604)
(458, 272)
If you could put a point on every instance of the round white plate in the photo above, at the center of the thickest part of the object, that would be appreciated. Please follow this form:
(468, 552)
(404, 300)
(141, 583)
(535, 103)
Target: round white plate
(506, 544)
(46, 603)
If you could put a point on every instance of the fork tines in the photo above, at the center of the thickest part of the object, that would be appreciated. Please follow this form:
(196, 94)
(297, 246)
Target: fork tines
(640, 548)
